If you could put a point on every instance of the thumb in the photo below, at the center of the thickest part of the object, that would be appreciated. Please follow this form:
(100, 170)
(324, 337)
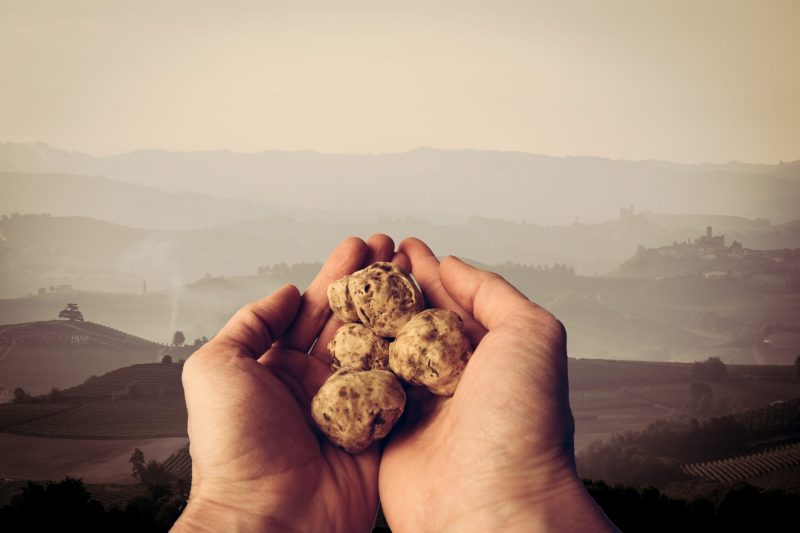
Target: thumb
(255, 326)
(491, 299)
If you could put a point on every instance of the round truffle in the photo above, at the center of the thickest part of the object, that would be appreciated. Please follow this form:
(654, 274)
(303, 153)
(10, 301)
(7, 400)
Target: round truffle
(357, 346)
(431, 350)
(354, 408)
(384, 297)
(340, 302)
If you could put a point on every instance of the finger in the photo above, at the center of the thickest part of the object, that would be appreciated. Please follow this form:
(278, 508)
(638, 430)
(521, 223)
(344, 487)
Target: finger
(490, 298)
(425, 269)
(314, 309)
(255, 326)
(381, 248)
(400, 259)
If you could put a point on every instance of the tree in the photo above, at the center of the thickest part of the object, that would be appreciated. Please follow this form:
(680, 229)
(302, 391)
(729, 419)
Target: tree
(166, 359)
(150, 474)
(178, 338)
(797, 368)
(71, 313)
(137, 464)
(712, 369)
(701, 398)
(54, 395)
(20, 396)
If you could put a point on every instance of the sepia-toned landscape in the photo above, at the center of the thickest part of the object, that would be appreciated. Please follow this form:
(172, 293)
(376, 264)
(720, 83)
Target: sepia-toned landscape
(682, 328)
(632, 167)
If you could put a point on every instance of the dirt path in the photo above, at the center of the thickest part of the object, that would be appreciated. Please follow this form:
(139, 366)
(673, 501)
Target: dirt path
(95, 461)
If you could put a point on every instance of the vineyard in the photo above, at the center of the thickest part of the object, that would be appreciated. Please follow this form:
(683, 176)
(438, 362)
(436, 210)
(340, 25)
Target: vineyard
(112, 420)
(775, 416)
(68, 332)
(153, 379)
(179, 464)
(588, 374)
(17, 413)
(746, 466)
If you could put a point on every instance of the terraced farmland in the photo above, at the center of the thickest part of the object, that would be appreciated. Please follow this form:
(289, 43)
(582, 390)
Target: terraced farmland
(112, 420)
(58, 353)
(586, 374)
(180, 464)
(775, 416)
(151, 379)
(746, 466)
(18, 413)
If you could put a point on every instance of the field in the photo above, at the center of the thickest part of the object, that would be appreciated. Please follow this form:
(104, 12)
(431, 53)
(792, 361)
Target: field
(616, 396)
(14, 413)
(153, 379)
(747, 466)
(112, 420)
(38, 356)
(93, 460)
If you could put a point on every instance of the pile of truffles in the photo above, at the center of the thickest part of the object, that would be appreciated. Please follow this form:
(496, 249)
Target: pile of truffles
(388, 334)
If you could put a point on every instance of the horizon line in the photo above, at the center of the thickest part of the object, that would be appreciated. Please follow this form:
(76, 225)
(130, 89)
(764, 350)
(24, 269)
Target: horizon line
(402, 152)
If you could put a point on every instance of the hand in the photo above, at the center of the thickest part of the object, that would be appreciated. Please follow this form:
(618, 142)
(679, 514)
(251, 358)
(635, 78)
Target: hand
(498, 454)
(258, 462)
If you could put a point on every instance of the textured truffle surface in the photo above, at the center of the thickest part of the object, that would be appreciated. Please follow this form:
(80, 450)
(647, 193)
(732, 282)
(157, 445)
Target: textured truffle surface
(431, 350)
(384, 297)
(357, 346)
(340, 302)
(354, 408)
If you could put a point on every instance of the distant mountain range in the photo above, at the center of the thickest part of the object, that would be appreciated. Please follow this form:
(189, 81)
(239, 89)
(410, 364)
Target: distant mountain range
(39, 251)
(441, 186)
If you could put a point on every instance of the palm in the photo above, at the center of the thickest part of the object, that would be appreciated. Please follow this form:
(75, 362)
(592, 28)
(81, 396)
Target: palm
(244, 449)
(508, 418)
(252, 438)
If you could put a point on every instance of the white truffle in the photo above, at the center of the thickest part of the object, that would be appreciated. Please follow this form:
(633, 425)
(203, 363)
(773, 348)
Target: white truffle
(340, 302)
(384, 297)
(431, 350)
(357, 346)
(353, 408)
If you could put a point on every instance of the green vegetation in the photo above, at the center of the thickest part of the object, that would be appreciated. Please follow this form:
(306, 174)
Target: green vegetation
(712, 369)
(655, 456)
(71, 313)
(68, 506)
(740, 508)
(178, 338)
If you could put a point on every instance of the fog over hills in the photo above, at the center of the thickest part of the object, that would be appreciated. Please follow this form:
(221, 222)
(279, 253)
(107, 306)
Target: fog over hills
(40, 251)
(150, 242)
(443, 186)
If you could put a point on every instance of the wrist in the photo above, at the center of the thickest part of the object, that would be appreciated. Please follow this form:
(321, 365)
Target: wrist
(227, 511)
(209, 515)
(555, 502)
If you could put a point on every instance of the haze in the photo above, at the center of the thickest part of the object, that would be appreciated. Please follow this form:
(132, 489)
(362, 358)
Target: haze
(680, 81)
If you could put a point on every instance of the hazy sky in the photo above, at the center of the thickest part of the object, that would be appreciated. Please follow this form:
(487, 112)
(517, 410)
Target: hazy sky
(680, 80)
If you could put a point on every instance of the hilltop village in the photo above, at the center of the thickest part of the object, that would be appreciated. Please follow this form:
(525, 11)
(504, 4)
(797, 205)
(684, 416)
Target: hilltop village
(710, 257)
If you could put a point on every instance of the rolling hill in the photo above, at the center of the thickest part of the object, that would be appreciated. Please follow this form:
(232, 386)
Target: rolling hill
(38, 251)
(442, 186)
(59, 353)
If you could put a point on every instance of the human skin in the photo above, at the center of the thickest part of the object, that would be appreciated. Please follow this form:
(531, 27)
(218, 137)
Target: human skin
(497, 455)
(258, 461)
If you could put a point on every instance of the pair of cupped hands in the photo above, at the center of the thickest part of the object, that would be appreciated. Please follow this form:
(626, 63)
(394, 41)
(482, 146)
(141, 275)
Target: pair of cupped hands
(497, 455)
